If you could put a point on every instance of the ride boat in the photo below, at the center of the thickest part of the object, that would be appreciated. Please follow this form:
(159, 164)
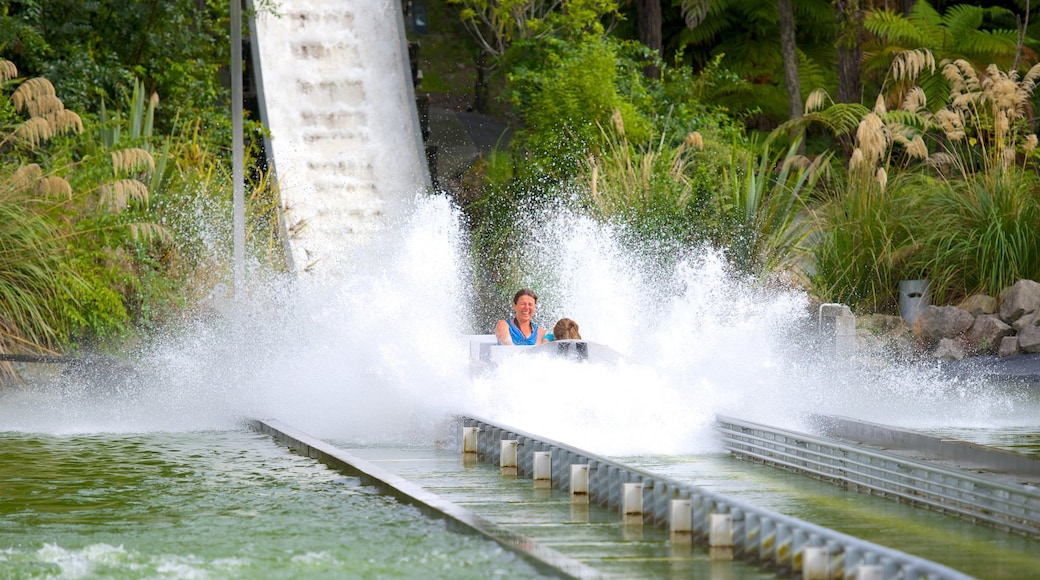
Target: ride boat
(485, 352)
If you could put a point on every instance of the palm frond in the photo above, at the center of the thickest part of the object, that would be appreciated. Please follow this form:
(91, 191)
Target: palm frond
(894, 28)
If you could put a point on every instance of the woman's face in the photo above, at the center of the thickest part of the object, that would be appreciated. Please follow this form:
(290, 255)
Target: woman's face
(524, 308)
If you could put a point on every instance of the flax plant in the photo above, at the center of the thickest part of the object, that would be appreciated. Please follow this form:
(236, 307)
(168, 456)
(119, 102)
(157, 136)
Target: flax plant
(765, 209)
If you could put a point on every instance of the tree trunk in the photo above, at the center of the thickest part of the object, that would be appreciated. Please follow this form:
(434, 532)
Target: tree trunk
(649, 12)
(789, 51)
(481, 87)
(906, 6)
(849, 16)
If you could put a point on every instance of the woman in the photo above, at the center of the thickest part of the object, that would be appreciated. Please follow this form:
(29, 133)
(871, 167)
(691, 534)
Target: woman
(521, 329)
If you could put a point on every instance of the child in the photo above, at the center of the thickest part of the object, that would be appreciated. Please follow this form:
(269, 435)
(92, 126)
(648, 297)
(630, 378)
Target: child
(566, 329)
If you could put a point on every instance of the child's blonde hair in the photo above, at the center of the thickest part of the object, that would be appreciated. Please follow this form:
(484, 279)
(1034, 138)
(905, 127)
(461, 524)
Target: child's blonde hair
(566, 329)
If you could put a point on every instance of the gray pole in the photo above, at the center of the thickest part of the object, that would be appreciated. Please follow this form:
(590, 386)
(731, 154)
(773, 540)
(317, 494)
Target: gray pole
(237, 153)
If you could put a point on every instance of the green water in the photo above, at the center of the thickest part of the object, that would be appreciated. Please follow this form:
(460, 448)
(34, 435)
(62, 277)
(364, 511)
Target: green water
(224, 504)
(977, 550)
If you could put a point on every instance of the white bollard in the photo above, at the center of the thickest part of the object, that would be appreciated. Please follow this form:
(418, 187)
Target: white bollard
(869, 572)
(681, 522)
(816, 563)
(580, 483)
(508, 462)
(542, 469)
(469, 439)
(632, 503)
(720, 530)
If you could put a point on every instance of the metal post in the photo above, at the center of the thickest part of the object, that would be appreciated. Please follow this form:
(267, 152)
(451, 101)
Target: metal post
(237, 147)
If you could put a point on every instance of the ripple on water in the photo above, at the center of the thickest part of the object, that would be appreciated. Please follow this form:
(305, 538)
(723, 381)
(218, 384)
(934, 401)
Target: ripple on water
(212, 504)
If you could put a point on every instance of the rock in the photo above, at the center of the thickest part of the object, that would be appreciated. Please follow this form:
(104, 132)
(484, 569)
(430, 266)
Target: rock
(987, 332)
(1029, 339)
(1021, 298)
(879, 324)
(935, 323)
(948, 349)
(897, 343)
(979, 304)
(1028, 319)
(1008, 346)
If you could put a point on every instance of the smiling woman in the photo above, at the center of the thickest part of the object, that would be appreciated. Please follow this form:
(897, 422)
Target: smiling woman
(521, 330)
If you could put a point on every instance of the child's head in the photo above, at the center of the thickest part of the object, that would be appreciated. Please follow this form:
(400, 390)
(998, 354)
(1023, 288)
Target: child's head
(566, 329)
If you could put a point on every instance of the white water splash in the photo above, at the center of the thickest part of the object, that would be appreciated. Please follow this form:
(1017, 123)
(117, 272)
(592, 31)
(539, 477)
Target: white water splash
(378, 356)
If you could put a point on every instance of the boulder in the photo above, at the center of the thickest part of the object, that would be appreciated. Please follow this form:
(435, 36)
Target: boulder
(987, 332)
(1029, 339)
(1027, 319)
(948, 349)
(1019, 299)
(1008, 346)
(879, 324)
(979, 304)
(935, 323)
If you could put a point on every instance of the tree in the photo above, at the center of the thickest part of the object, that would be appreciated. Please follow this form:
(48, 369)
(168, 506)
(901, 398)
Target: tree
(94, 50)
(748, 33)
(650, 31)
(790, 53)
(497, 24)
(849, 17)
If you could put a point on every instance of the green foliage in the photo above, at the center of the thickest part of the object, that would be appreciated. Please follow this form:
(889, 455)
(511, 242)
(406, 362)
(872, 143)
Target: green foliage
(498, 24)
(963, 32)
(101, 47)
(31, 269)
(981, 234)
(747, 33)
(90, 299)
(765, 209)
(564, 92)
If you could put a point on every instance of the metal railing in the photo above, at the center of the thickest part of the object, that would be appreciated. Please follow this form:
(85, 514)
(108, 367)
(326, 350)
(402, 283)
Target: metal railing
(1003, 505)
(776, 542)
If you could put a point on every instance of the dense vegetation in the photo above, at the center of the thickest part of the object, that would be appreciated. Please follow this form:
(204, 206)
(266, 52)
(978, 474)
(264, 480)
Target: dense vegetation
(925, 169)
(839, 145)
(114, 205)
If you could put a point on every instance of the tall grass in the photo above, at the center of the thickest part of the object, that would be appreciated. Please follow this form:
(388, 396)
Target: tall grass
(982, 231)
(951, 195)
(653, 188)
(982, 234)
(864, 241)
(32, 270)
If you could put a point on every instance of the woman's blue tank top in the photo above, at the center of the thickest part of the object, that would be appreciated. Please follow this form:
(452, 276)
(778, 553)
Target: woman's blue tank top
(519, 338)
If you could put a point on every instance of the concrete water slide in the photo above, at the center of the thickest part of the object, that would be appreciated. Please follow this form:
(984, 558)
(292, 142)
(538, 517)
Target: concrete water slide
(336, 93)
